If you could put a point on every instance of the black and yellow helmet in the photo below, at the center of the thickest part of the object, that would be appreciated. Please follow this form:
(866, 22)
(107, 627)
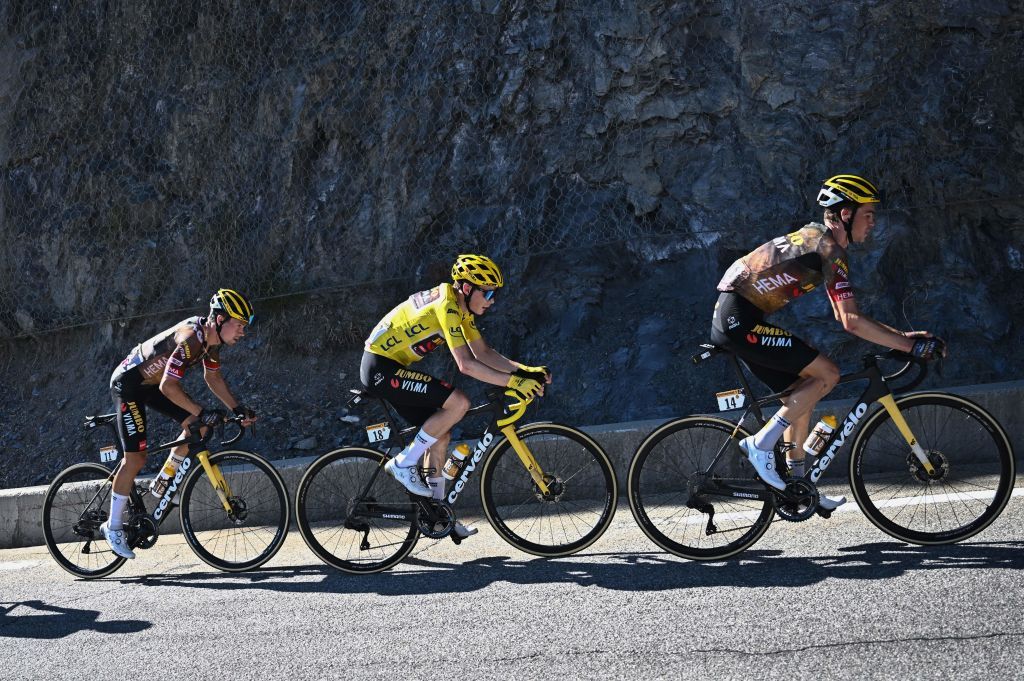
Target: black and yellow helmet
(478, 270)
(847, 188)
(233, 304)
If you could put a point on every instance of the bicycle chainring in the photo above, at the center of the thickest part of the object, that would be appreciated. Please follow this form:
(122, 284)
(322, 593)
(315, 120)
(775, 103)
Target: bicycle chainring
(145, 532)
(435, 520)
(798, 502)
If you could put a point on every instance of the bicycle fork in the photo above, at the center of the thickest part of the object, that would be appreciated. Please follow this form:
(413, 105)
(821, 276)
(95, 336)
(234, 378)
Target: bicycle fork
(220, 485)
(529, 461)
(896, 415)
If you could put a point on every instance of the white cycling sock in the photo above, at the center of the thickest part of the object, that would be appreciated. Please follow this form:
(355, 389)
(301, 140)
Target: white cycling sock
(796, 468)
(117, 504)
(766, 438)
(436, 486)
(414, 452)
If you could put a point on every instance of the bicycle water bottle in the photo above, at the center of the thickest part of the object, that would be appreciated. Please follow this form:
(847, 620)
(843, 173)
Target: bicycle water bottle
(815, 442)
(163, 479)
(455, 461)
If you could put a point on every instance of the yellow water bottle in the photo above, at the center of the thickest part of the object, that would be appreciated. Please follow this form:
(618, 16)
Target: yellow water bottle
(455, 461)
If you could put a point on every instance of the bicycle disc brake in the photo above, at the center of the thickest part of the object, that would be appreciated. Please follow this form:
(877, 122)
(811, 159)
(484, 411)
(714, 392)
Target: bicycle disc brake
(556, 488)
(798, 502)
(938, 461)
(436, 520)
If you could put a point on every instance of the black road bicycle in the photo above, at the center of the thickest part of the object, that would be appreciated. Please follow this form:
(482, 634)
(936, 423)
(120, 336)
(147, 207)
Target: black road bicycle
(546, 488)
(234, 508)
(927, 468)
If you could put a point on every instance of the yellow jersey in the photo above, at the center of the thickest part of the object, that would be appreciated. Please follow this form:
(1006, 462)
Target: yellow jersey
(420, 325)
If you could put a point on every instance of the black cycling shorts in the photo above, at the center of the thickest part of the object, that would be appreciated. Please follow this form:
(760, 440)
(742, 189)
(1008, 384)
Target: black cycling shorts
(771, 353)
(131, 398)
(414, 395)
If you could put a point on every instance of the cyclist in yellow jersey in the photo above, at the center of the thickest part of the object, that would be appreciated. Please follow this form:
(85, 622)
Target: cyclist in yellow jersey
(441, 316)
(769, 277)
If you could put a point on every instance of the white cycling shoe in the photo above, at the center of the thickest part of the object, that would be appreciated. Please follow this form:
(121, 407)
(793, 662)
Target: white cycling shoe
(830, 503)
(410, 478)
(461, 531)
(117, 539)
(763, 462)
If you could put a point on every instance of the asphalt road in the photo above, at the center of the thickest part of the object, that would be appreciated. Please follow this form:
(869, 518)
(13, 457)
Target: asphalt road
(820, 599)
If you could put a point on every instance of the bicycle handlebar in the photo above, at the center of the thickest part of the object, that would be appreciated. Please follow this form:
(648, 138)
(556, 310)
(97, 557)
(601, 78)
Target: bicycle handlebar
(909, 362)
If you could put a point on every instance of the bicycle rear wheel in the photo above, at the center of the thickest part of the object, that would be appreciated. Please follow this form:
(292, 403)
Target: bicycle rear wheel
(341, 524)
(667, 484)
(582, 498)
(76, 504)
(257, 525)
(974, 470)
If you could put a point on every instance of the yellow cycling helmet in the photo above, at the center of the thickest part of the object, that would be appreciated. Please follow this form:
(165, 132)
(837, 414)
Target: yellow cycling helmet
(233, 304)
(851, 188)
(478, 270)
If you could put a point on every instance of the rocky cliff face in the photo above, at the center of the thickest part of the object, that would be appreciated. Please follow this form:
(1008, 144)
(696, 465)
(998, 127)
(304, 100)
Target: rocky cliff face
(330, 158)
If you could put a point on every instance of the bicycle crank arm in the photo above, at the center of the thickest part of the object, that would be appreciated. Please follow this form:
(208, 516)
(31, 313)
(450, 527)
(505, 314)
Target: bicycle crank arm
(889, 403)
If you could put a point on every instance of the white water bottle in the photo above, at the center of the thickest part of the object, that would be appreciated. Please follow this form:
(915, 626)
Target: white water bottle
(815, 442)
(163, 478)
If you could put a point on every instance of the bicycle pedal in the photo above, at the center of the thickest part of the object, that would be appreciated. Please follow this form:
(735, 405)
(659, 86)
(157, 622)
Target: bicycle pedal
(455, 538)
(823, 512)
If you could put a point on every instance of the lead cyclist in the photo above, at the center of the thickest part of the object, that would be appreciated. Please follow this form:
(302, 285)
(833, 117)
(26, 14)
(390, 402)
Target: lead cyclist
(768, 278)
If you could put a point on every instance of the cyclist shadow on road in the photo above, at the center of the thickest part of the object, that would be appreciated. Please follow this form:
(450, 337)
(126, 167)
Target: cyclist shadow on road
(618, 571)
(57, 622)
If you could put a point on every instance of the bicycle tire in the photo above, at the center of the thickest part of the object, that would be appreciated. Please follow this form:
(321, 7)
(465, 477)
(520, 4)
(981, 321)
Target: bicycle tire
(579, 513)
(972, 491)
(324, 498)
(667, 463)
(76, 491)
(248, 538)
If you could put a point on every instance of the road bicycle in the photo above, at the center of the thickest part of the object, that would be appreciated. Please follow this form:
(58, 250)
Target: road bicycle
(234, 509)
(546, 488)
(927, 468)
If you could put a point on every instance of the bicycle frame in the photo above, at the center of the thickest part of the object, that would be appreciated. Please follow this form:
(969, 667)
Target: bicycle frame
(503, 422)
(159, 512)
(877, 390)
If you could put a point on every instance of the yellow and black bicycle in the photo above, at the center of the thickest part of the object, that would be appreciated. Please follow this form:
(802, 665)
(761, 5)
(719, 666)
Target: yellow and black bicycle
(234, 508)
(546, 488)
(926, 468)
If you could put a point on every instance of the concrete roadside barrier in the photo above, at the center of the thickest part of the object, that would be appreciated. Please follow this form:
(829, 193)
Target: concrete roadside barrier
(21, 509)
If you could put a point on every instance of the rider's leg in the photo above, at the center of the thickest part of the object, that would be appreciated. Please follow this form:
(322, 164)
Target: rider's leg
(435, 427)
(797, 434)
(433, 462)
(817, 379)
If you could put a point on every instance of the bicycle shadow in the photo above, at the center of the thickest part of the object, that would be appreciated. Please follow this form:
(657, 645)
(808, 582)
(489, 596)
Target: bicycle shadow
(618, 571)
(58, 622)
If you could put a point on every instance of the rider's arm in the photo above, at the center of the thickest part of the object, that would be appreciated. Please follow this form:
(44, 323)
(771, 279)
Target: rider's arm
(471, 366)
(174, 371)
(219, 387)
(865, 327)
(491, 357)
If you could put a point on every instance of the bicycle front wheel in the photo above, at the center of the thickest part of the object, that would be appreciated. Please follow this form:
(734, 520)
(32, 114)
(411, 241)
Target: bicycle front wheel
(343, 516)
(581, 498)
(76, 504)
(257, 524)
(671, 488)
(972, 482)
